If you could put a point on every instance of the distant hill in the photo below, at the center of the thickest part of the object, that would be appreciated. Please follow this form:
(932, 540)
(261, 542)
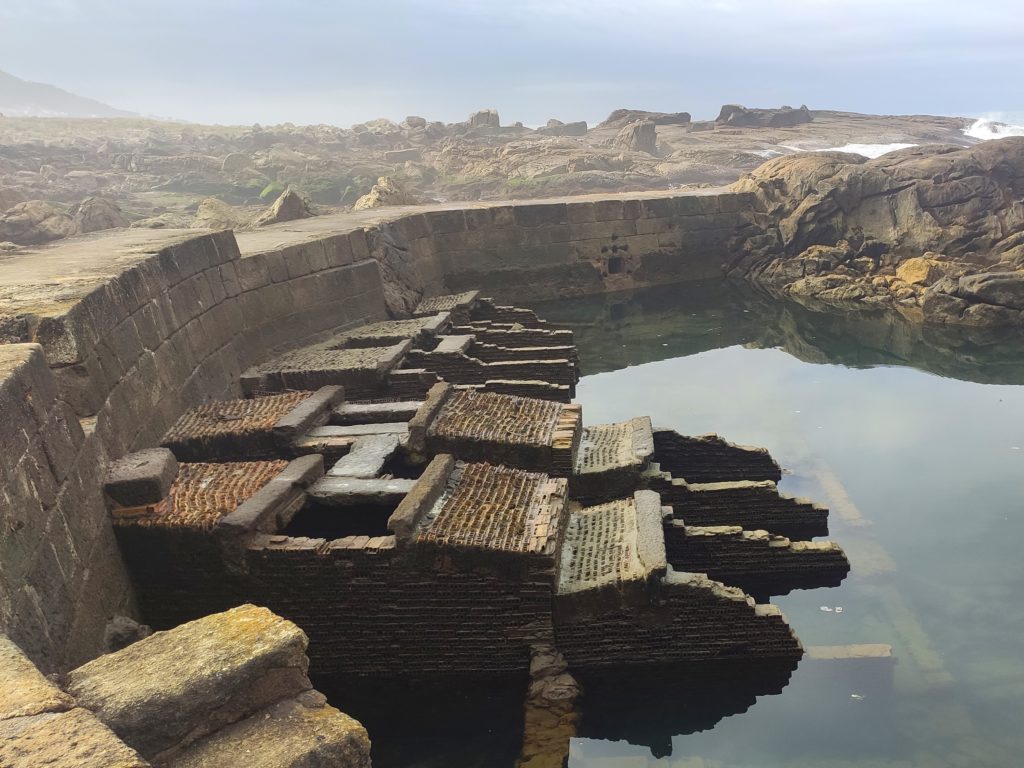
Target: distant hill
(21, 98)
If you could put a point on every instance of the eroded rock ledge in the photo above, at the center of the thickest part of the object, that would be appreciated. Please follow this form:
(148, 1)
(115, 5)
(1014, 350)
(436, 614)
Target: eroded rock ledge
(938, 230)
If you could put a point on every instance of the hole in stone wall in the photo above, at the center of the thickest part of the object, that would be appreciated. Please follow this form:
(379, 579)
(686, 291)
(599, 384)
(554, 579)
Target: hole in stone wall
(331, 522)
(615, 265)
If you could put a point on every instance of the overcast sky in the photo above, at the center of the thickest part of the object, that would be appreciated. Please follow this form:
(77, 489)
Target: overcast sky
(342, 61)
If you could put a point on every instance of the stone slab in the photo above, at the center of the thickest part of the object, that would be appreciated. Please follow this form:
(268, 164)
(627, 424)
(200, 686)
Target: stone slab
(140, 478)
(179, 685)
(352, 491)
(367, 457)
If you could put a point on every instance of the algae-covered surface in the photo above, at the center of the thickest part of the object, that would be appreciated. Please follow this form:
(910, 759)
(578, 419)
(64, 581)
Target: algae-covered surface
(914, 437)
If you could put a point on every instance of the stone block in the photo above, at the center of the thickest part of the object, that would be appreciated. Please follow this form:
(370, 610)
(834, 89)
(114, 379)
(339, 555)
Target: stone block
(360, 245)
(271, 508)
(338, 250)
(174, 687)
(296, 733)
(444, 222)
(540, 214)
(25, 691)
(73, 738)
(580, 213)
(141, 478)
(479, 218)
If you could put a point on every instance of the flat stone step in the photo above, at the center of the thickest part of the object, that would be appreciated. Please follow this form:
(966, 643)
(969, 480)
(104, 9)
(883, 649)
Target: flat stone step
(353, 491)
(367, 457)
(351, 414)
(359, 430)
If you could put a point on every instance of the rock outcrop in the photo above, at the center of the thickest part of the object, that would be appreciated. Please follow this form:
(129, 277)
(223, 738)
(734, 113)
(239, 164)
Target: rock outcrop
(34, 223)
(640, 136)
(622, 117)
(938, 227)
(387, 191)
(558, 128)
(95, 214)
(741, 117)
(485, 118)
(288, 207)
(216, 214)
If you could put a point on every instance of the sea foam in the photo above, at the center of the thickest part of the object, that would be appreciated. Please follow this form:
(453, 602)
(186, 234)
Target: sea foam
(984, 129)
(865, 150)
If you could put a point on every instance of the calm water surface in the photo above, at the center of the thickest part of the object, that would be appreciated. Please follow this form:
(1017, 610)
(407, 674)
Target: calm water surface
(914, 439)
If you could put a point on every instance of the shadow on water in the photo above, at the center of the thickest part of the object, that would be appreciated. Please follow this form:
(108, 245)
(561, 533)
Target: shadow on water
(620, 330)
(478, 723)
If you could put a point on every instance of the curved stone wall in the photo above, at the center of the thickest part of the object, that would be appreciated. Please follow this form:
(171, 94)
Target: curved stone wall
(105, 340)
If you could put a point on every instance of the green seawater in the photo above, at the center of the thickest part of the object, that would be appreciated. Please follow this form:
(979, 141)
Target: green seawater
(913, 436)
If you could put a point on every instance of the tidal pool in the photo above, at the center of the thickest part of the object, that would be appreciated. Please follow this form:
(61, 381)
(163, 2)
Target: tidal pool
(914, 438)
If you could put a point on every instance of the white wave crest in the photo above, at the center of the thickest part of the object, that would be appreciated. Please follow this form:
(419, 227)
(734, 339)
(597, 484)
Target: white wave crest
(865, 150)
(984, 129)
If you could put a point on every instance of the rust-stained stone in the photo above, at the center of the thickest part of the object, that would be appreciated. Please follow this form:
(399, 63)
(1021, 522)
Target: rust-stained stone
(203, 494)
(498, 509)
(218, 419)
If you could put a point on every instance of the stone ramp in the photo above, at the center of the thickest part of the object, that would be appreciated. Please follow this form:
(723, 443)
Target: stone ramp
(611, 554)
(611, 460)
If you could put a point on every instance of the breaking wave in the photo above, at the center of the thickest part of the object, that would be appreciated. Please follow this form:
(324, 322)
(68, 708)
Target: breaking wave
(865, 150)
(984, 129)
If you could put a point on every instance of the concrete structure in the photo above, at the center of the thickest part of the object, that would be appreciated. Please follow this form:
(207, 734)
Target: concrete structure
(109, 341)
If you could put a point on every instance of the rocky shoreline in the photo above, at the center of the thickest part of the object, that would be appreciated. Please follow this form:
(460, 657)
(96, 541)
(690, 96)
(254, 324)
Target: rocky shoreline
(148, 173)
(935, 231)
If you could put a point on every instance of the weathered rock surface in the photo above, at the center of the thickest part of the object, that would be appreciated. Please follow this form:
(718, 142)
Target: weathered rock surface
(485, 118)
(303, 733)
(742, 117)
(622, 117)
(640, 136)
(75, 739)
(216, 214)
(840, 227)
(288, 207)
(34, 223)
(95, 214)
(166, 691)
(558, 128)
(40, 725)
(387, 191)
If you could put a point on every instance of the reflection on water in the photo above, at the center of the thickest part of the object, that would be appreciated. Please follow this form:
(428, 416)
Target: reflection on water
(913, 437)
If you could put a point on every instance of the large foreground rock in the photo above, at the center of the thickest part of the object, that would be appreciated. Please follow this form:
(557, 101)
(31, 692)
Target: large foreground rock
(214, 213)
(167, 691)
